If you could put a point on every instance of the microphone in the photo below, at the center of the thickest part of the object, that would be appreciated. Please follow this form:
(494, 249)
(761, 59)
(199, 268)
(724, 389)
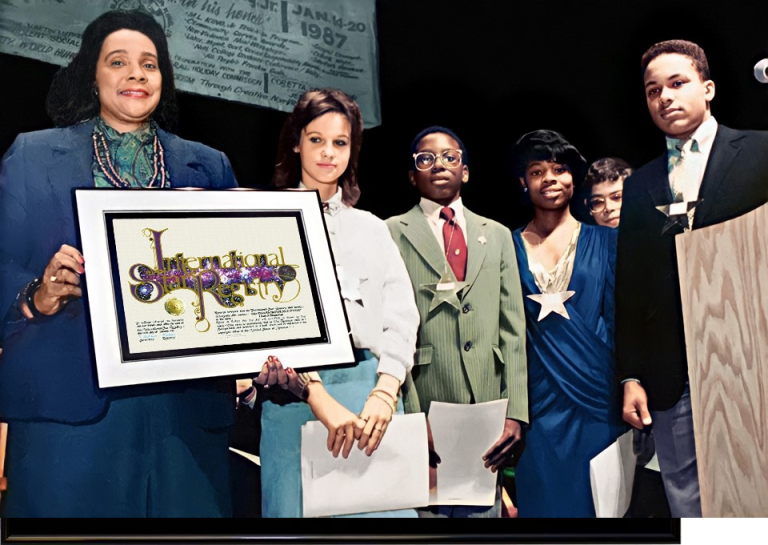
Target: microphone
(761, 73)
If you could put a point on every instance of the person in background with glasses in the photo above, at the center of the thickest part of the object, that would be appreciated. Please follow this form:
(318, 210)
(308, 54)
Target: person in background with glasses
(604, 186)
(471, 345)
(567, 274)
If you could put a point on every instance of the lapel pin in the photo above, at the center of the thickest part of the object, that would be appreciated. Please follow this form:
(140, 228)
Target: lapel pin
(481, 239)
(678, 214)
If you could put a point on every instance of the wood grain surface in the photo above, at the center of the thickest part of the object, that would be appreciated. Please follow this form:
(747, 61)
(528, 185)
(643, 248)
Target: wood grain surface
(724, 288)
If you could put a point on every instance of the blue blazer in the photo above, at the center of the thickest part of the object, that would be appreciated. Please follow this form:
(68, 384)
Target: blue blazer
(47, 370)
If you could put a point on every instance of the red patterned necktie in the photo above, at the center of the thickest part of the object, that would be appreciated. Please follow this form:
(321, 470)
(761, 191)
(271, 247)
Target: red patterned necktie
(455, 245)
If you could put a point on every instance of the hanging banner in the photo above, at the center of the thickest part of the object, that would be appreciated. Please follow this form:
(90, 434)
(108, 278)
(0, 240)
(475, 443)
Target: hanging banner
(262, 52)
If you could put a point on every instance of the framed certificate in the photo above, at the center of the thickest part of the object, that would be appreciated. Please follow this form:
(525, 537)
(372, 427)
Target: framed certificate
(185, 284)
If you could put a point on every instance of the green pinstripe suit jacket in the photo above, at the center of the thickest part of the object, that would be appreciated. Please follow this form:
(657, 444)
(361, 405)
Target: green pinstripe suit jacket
(475, 353)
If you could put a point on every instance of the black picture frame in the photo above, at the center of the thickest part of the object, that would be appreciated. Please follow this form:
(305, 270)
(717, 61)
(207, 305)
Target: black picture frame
(210, 215)
(327, 531)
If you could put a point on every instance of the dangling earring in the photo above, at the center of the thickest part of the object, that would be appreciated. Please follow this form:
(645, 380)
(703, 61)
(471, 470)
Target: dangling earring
(95, 90)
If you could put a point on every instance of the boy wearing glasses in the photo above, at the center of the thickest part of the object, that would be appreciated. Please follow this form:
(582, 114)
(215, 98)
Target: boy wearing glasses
(604, 187)
(471, 345)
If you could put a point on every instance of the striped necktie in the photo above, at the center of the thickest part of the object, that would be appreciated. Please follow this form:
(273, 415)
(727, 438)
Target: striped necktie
(683, 164)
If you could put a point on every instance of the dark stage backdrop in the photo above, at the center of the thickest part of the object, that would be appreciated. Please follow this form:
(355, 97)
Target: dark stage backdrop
(492, 71)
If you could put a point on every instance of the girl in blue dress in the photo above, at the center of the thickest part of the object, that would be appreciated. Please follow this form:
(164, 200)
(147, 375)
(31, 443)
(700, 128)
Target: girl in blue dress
(567, 275)
(319, 147)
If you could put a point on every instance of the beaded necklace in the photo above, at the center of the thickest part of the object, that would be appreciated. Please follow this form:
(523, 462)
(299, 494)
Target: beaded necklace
(104, 160)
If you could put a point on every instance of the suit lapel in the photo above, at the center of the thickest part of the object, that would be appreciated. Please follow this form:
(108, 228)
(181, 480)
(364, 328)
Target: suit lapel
(419, 234)
(476, 246)
(181, 163)
(660, 194)
(725, 148)
(72, 161)
(75, 157)
(658, 186)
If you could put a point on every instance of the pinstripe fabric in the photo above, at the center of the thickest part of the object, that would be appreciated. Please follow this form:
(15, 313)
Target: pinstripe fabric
(491, 319)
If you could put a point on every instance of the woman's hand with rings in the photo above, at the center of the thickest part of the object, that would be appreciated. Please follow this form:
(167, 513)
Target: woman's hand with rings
(377, 413)
(344, 427)
(60, 281)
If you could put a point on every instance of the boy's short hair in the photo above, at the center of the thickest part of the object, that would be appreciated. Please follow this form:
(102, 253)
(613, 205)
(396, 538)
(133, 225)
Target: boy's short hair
(681, 47)
(438, 129)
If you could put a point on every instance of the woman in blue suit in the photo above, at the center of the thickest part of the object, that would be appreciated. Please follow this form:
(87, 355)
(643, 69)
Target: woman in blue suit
(75, 450)
(567, 275)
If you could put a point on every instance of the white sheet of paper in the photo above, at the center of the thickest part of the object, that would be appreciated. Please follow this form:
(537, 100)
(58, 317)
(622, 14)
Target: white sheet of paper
(462, 433)
(396, 476)
(247, 455)
(612, 474)
(653, 465)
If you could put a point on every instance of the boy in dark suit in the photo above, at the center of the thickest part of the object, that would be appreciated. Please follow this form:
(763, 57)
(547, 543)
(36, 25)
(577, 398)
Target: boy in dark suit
(708, 175)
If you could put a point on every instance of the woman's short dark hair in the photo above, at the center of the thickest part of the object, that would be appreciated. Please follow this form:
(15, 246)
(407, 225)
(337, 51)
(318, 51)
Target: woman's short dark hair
(311, 105)
(442, 130)
(544, 145)
(72, 97)
(607, 169)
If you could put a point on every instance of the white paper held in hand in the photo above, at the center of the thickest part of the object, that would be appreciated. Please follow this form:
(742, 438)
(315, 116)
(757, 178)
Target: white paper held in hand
(395, 476)
(462, 433)
(612, 474)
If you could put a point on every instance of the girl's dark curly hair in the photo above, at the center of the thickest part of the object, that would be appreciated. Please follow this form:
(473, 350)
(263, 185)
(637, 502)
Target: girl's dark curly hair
(72, 99)
(311, 105)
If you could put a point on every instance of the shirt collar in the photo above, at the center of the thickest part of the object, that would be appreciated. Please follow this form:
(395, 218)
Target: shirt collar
(332, 205)
(703, 137)
(432, 210)
(143, 134)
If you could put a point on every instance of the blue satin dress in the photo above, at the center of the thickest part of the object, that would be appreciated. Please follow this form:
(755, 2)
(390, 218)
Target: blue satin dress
(573, 389)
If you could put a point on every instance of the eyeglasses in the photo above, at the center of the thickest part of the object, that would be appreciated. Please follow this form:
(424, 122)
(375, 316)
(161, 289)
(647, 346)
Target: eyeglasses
(597, 204)
(451, 158)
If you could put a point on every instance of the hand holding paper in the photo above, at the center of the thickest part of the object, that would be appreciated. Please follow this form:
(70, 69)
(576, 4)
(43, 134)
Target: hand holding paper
(395, 477)
(378, 411)
(497, 455)
(462, 435)
(344, 427)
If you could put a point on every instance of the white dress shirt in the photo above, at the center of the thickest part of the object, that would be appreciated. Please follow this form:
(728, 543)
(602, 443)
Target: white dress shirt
(693, 165)
(375, 285)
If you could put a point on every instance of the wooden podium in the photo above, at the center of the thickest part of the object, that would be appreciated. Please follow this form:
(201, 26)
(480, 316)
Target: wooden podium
(724, 289)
